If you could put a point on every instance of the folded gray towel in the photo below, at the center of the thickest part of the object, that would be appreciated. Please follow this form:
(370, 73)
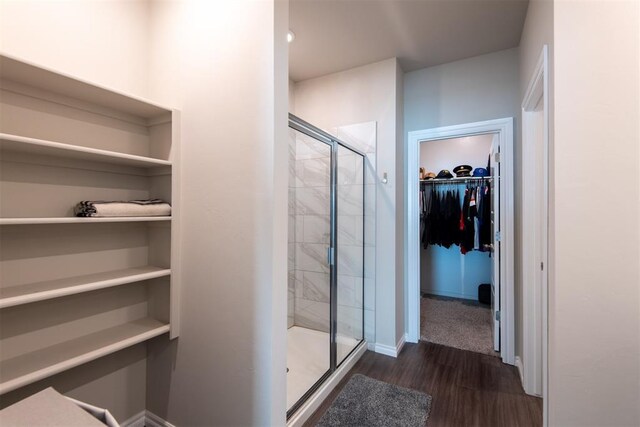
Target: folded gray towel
(151, 207)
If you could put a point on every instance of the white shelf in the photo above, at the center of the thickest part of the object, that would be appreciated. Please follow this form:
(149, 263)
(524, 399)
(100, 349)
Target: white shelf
(31, 367)
(22, 144)
(81, 220)
(25, 73)
(32, 292)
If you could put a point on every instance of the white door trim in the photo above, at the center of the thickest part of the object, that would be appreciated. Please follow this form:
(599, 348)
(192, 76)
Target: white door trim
(504, 128)
(535, 301)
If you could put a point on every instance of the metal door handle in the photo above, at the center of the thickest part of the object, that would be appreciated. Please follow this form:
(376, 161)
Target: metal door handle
(330, 255)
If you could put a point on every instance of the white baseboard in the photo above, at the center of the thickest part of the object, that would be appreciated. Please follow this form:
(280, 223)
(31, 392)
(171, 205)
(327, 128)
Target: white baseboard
(136, 421)
(520, 370)
(146, 419)
(389, 350)
(403, 340)
(314, 402)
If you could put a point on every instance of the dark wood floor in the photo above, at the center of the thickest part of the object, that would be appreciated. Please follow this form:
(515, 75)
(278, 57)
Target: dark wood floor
(468, 389)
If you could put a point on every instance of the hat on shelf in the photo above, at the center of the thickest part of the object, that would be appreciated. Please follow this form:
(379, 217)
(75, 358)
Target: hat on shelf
(480, 172)
(444, 174)
(429, 175)
(462, 171)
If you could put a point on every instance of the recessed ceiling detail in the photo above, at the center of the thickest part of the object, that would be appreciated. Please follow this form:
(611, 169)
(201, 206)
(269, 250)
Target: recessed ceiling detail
(336, 35)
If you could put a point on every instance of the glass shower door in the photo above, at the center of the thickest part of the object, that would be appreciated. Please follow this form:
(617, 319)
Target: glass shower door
(350, 251)
(326, 258)
(309, 292)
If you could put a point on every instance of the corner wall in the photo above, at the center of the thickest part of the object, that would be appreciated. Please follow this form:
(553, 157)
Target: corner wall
(228, 365)
(537, 32)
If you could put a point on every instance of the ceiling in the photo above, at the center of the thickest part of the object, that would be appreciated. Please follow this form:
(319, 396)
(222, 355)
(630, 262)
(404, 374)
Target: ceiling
(336, 35)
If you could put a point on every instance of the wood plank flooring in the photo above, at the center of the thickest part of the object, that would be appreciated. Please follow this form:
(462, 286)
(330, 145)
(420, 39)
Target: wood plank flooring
(468, 389)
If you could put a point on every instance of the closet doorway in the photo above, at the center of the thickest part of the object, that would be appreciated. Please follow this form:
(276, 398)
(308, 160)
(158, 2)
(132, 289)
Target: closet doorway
(466, 241)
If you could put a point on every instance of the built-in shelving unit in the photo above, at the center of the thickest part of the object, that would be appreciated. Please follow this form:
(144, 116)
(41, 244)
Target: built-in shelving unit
(73, 290)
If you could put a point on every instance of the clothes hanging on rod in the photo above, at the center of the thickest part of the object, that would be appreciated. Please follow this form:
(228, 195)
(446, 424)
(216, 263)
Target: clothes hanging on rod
(447, 219)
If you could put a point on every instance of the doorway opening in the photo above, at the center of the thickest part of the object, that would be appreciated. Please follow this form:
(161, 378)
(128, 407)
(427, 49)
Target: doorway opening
(458, 304)
(487, 260)
(535, 233)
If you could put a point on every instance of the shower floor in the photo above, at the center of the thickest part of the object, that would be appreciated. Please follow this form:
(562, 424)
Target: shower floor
(308, 359)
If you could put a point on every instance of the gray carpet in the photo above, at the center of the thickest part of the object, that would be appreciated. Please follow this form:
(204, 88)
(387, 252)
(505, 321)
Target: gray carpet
(368, 402)
(456, 324)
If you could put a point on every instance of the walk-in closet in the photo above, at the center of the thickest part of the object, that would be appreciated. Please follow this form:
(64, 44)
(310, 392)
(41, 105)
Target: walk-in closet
(456, 243)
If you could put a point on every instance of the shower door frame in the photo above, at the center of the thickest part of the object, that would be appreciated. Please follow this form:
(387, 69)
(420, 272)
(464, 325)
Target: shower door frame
(296, 123)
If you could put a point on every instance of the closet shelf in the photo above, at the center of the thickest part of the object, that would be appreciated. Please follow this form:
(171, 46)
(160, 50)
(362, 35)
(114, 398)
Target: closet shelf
(31, 367)
(81, 220)
(21, 144)
(32, 292)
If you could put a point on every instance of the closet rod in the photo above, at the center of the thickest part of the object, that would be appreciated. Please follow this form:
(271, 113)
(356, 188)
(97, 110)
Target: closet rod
(456, 180)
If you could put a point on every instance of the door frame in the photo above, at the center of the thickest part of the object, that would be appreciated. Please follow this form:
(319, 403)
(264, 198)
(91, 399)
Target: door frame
(535, 301)
(504, 128)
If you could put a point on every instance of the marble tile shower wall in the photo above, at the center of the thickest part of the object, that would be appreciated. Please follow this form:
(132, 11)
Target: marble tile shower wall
(350, 192)
(311, 181)
(309, 232)
(361, 136)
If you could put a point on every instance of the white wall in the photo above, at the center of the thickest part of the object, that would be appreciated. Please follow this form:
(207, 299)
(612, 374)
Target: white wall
(364, 94)
(594, 348)
(292, 98)
(101, 41)
(449, 153)
(224, 65)
(479, 88)
(104, 43)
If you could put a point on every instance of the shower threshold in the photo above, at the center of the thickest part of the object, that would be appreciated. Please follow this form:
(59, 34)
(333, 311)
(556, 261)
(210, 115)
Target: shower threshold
(308, 359)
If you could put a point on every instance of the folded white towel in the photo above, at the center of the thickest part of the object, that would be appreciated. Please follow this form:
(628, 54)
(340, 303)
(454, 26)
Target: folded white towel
(153, 207)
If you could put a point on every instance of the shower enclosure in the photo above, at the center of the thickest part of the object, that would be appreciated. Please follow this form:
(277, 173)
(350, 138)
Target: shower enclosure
(326, 258)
